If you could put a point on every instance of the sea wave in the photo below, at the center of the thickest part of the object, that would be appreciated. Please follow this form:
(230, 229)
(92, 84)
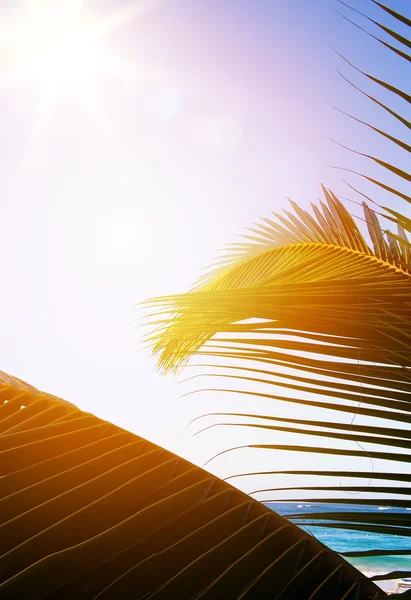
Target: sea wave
(342, 540)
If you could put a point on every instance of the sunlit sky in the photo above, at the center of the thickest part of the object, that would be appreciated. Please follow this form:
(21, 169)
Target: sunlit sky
(135, 147)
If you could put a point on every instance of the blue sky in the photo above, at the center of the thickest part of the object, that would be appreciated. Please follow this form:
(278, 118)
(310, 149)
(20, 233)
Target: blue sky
(99, 214)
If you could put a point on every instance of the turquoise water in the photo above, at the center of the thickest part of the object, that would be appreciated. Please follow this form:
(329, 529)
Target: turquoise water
(343, 540)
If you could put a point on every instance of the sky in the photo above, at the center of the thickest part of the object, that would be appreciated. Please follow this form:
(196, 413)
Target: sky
(120, 180)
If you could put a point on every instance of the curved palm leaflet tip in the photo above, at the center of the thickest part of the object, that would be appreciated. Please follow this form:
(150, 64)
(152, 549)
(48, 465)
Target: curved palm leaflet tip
(309, 293)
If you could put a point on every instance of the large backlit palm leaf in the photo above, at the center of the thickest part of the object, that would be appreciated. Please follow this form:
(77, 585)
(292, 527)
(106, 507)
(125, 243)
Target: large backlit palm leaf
(308, 304)
(88, 510)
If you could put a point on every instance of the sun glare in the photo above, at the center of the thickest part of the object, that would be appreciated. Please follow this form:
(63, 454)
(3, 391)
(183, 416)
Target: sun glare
(59, 44)
(54, 44)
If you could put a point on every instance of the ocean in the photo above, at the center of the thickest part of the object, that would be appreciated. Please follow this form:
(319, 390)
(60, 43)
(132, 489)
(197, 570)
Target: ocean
(343, 540)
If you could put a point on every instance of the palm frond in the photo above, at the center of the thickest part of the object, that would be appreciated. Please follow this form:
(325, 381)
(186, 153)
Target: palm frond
(88, 510)
(308, 311)
(330, 224)
(324, 315)
(322, 311)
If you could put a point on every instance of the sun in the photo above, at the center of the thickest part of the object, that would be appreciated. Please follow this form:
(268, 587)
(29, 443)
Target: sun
(59, 44)
(54, 44)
